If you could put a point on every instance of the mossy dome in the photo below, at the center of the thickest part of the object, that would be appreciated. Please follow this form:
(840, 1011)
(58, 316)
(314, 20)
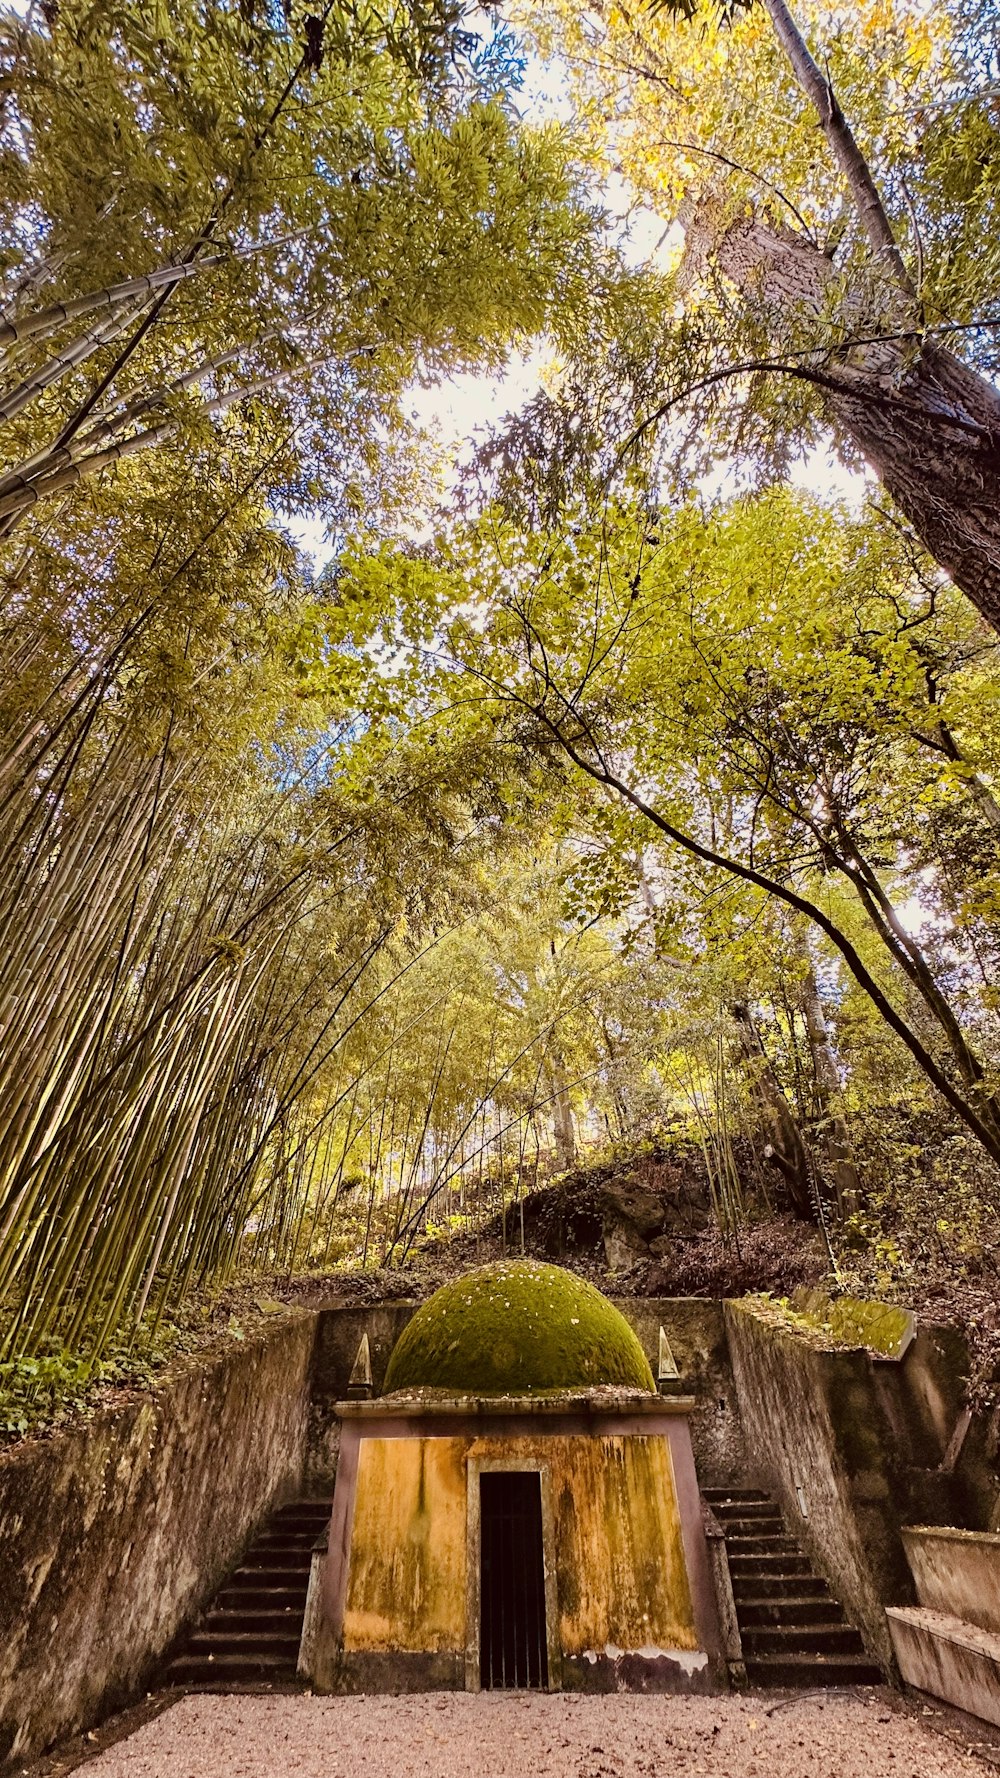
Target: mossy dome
(518, 1328)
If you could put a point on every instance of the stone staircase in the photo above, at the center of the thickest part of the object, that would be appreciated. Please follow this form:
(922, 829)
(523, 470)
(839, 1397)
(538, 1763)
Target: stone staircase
(793, 1631)
(251, 1630)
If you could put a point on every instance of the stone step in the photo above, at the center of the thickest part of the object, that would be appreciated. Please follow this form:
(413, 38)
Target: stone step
(198, 1670)
(299, 1527)
(269, 1574)
(744, 1515)
(749, 1500)
(744, 1509)
(781, 1563)
(209, 1644)
(771, 1545)
(772, 1527)
(251, 1630)
(269, 1599)
(810, 1670)
(272, 1550)
(794, 1633)
(797, 1608)
(778, 1586)
(802, 1639)
(298, 1544)
(225, 1622)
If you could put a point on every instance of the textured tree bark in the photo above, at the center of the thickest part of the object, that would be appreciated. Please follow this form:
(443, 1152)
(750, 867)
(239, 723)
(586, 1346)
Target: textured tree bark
(840, 136)
(785, 1149)
(827, 1075)
(563, 1127)
(928, 425)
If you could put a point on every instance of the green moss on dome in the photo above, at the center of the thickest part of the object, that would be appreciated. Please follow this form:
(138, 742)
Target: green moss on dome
(517, 1328)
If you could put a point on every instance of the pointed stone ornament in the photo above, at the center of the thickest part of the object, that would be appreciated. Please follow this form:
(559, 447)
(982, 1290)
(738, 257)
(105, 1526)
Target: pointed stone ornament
(359, 1383)
(668, 1365)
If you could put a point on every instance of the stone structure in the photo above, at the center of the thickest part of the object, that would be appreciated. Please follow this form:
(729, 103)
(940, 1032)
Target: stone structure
(520, 1507)
(116, 1531)
(853, 1445)
(949, 1643)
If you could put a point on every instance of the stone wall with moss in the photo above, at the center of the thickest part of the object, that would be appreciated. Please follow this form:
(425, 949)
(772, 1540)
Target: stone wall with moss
(113, 1532)
(856, 1446)
(339, 1332)
(816, 1437)
(696, 1331)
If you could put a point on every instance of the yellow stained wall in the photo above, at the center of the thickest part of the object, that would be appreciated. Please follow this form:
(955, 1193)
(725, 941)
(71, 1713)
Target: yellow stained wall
(407, 1564)
(622, 1578)
(620, 1573)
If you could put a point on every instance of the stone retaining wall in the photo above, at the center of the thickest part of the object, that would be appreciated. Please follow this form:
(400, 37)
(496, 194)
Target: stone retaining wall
(696, 1329)
(113, 1532)
(816, 1436)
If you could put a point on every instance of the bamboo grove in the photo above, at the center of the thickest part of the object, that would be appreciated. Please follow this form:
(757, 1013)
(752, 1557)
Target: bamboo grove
(218, 281)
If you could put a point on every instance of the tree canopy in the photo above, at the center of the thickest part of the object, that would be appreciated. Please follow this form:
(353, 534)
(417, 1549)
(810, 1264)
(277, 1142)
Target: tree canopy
(607, 790)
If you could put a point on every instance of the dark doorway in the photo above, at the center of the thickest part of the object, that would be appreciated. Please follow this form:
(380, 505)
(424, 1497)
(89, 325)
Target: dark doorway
(512, 1651)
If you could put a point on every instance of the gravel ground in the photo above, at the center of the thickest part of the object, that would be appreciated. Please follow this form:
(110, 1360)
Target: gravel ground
(495, 1735)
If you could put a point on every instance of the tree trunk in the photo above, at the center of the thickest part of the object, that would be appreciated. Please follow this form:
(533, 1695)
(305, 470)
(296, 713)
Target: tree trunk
(563, 1128)
(785, 1149)
(940, 738)
(847, 1183)
(838, 132)
(928, 425)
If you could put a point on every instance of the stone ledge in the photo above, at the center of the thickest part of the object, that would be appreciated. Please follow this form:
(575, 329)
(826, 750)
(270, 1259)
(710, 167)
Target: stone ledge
(948, 1657)
(957, 1572)
(419, 1404)
(952, 1534)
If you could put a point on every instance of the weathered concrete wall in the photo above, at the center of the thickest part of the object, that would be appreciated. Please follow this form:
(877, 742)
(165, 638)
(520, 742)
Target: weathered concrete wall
(977, 1474)
(629, 1602)
(114, 1532)
(948, 1658)
(407, 1579)
(338, 1335)
(923, 1399)
(817, 1436)
(957, 1572)
(696, 1329)
(623, 1581)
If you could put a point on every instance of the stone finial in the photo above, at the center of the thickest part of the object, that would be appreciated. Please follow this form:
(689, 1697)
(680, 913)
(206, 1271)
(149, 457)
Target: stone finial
(668, 1364)
(359, 1383)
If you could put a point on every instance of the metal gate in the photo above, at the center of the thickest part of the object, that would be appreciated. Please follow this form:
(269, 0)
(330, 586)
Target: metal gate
(512, 1646)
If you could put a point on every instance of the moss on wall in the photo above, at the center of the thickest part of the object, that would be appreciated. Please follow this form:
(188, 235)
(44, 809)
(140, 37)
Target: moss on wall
(514, 1328)
(112, 1532)
(817, 1437)
(851, 1321)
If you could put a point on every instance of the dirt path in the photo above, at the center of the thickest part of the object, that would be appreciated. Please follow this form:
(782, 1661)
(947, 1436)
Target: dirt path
(494, 1735)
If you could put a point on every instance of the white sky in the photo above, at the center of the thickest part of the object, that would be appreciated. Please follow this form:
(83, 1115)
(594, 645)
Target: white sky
(461, 405)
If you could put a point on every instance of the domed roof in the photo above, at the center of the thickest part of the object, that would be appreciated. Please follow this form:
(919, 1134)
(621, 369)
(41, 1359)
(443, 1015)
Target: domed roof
(517, 1328)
